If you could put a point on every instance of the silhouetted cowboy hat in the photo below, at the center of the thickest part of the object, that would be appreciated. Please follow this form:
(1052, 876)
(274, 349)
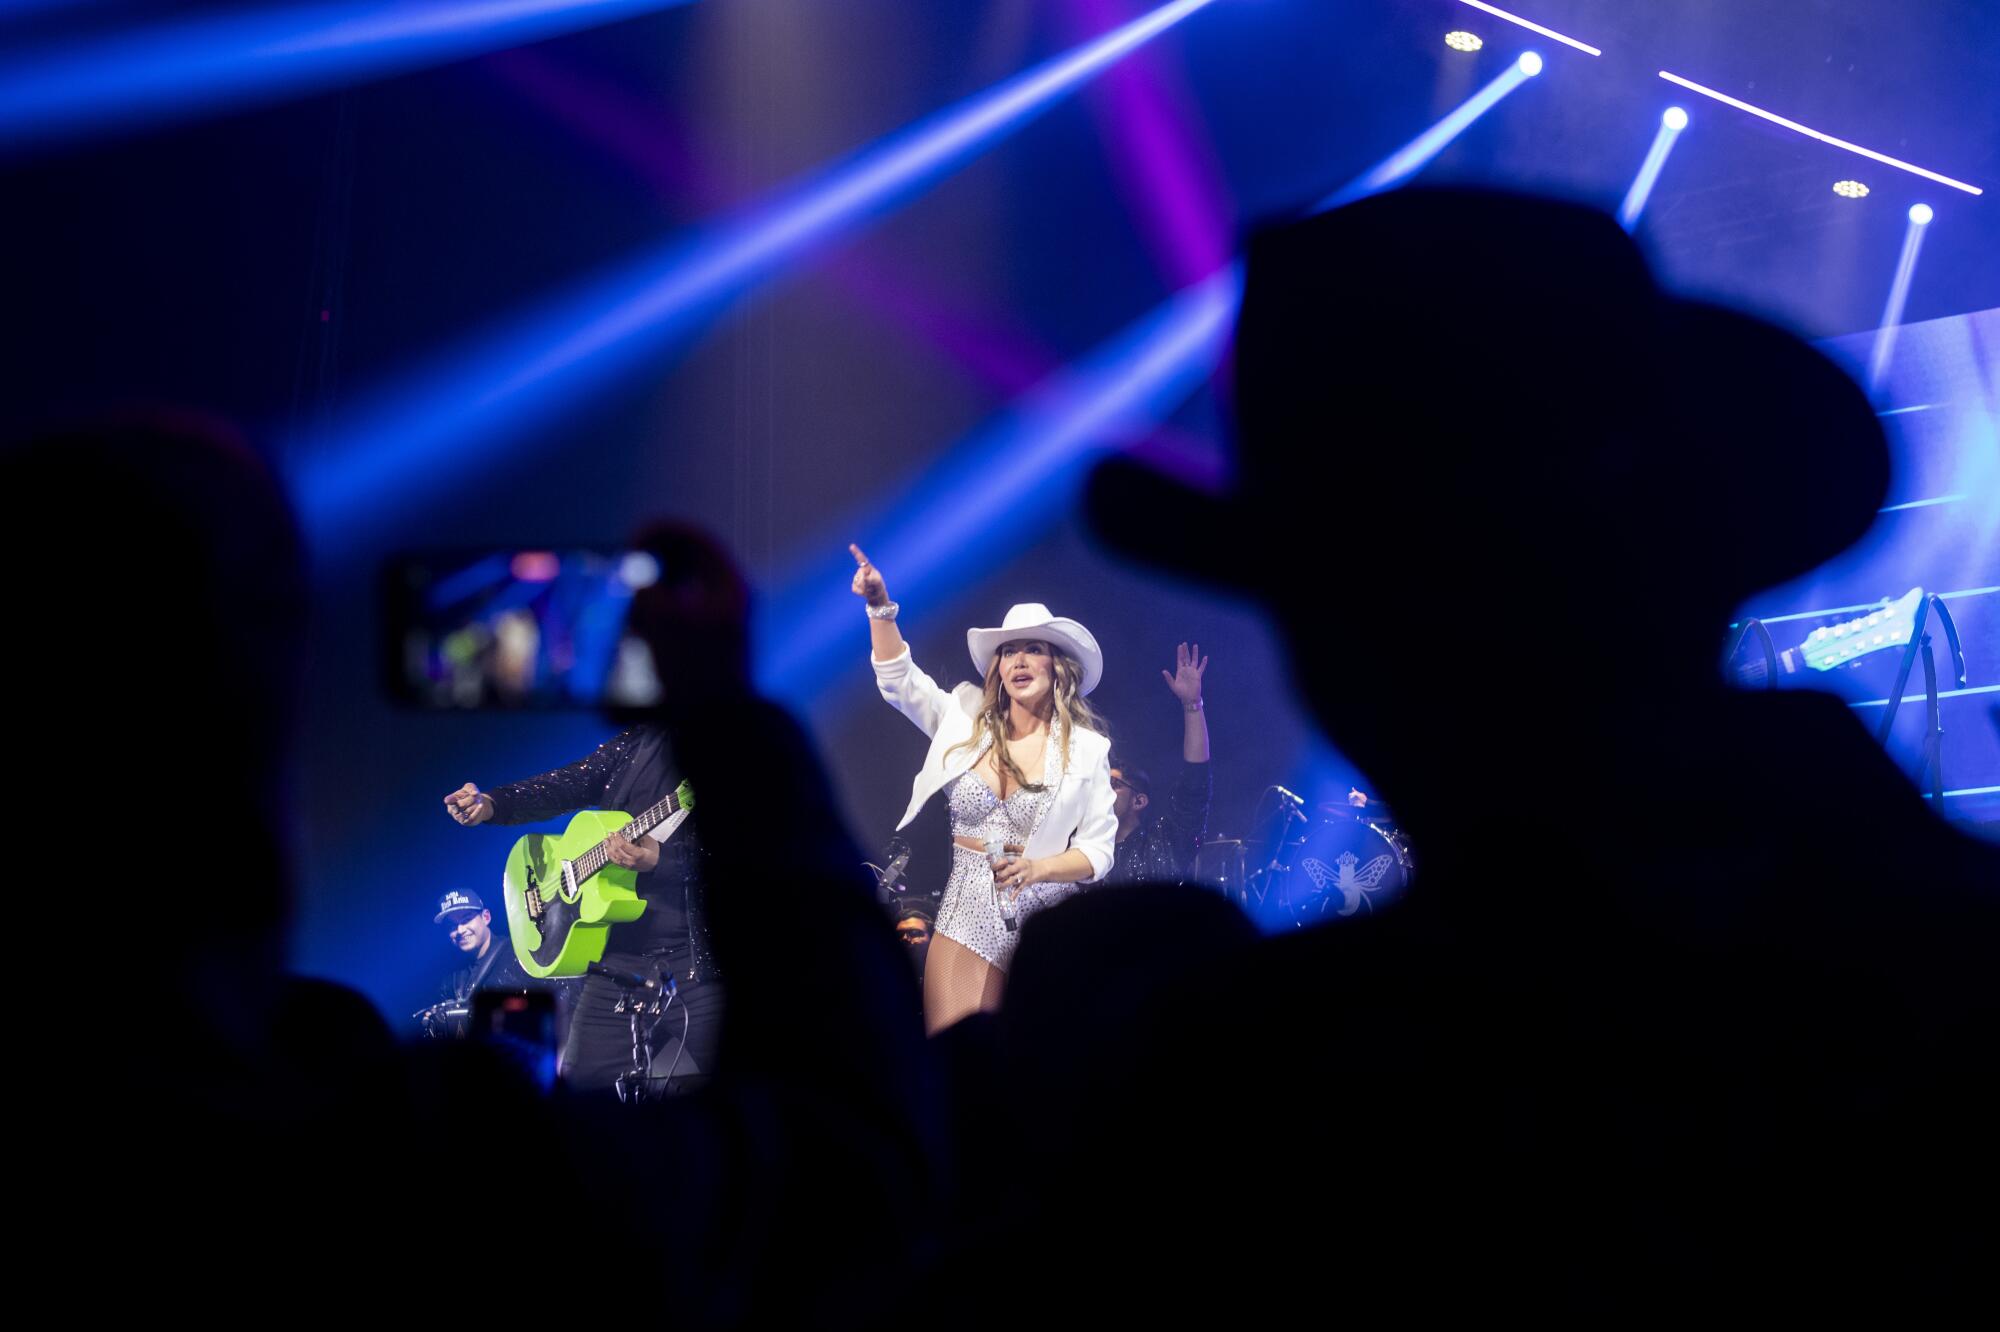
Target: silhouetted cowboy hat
(1436, 355)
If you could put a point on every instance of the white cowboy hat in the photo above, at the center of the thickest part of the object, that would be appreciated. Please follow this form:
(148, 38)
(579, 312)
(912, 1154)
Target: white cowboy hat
(1031, 619)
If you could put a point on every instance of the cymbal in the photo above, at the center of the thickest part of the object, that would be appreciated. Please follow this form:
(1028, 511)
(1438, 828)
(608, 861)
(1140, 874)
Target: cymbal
(1373, 811)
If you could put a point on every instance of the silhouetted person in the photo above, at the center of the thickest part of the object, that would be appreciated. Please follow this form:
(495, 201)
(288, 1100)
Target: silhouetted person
(773, 1192)
(1716, 1021)
(264, 1121)
(168, 631)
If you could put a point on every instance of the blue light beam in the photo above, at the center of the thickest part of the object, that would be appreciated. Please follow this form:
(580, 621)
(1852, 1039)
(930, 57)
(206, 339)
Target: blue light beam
(549, 357)
(1030, 457)
(1414, 156)
(1899, 295)
(1022, 464)
(1671, 124)
(173, 71)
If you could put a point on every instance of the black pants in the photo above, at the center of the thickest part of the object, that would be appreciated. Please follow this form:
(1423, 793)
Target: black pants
(599, 1047)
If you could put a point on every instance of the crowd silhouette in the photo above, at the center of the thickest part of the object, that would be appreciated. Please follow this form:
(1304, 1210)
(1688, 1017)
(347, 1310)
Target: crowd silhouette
(1720, 1039)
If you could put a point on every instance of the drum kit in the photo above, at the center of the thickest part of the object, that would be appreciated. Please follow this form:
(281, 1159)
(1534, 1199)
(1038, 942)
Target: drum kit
(1345, 859)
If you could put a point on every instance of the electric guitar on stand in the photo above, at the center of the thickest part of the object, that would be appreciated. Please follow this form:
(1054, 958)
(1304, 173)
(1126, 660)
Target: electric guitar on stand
(1833, 645)
(564, 894)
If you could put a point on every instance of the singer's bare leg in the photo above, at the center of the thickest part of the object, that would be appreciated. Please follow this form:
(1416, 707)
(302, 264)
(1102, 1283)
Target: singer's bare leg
(957, 982)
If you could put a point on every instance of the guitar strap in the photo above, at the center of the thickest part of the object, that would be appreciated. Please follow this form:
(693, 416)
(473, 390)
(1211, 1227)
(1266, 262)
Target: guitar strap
(492, 956)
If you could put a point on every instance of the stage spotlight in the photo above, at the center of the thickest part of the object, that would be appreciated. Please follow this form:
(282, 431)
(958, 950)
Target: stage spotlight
(638, 569)
(1413, 156)
(1671, 124)
(1899, 295)
(1850, 189)
(1463, 41)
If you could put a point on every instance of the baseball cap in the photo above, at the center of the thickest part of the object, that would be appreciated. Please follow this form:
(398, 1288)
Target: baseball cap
(458, 899)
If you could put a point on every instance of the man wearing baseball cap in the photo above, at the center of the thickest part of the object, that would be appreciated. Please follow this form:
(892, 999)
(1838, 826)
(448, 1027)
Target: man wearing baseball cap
(486, 957)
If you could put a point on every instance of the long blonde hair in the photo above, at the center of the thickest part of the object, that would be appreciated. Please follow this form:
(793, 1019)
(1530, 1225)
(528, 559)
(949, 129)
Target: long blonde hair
(1072, 709)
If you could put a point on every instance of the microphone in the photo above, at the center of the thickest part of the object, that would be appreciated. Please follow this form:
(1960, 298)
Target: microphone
(1292, 796)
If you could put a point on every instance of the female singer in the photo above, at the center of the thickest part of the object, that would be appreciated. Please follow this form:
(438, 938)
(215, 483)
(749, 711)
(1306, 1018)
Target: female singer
(1026, 765)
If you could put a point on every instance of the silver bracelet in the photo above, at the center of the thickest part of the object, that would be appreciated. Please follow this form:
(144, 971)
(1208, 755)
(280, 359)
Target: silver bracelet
(1194, 706)
(886, 611)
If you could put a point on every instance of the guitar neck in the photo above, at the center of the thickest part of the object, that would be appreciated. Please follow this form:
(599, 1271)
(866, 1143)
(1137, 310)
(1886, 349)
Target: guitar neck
(667, 811)
(660, 822)
(1755, 671)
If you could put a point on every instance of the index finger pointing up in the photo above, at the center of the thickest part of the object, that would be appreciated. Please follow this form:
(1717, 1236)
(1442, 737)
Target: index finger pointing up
(855, 551)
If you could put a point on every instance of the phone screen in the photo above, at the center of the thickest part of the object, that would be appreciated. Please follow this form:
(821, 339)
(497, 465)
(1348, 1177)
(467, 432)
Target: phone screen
(521, 1025)
(517, 629)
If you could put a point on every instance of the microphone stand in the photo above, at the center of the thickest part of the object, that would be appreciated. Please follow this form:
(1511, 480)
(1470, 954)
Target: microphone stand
(645, 1001)
(1764, 641)
(1280, 863)
(1920, 641)
(888, 876)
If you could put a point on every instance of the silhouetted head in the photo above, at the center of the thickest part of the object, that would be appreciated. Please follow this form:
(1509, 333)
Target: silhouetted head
(161, 590)
(694, 617)
(158, 609)
(1482, 412)
(1087, 968)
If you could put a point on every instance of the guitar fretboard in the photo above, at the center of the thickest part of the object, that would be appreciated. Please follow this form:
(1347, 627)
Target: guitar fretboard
(661, 820)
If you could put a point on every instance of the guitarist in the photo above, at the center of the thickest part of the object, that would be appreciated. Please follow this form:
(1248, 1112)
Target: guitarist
(629, 771)
(694, 622)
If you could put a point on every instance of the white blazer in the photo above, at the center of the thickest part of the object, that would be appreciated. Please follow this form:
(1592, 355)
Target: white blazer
(1080, 815)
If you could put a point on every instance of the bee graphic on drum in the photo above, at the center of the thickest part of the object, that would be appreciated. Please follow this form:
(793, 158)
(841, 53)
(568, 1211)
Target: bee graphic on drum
(1353, 887)
(1354, 858)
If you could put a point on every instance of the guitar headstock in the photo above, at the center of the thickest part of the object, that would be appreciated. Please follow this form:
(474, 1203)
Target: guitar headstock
(1839, 644)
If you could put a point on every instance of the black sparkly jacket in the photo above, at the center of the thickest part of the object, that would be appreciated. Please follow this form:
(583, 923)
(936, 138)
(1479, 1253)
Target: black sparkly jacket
(629, 772)
(1162, 848)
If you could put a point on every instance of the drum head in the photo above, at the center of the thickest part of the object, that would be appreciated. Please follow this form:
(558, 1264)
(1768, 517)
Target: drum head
(1220, 864)
(1347, 868)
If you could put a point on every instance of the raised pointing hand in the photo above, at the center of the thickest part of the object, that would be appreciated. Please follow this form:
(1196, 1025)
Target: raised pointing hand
(868, 579)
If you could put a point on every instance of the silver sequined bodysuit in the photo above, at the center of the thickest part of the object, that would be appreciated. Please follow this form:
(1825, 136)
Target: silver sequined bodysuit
(970, 913)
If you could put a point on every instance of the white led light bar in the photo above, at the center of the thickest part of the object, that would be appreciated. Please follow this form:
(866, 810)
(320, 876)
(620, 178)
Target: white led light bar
(1812, 133)
(1871, 606)
(1518, 21)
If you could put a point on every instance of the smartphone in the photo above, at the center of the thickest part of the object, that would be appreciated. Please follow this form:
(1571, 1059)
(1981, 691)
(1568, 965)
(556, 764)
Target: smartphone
(522, 1026)
(516, 629)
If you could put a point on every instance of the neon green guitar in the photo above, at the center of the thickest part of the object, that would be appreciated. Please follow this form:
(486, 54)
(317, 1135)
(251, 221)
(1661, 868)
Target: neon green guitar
(564, 894)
